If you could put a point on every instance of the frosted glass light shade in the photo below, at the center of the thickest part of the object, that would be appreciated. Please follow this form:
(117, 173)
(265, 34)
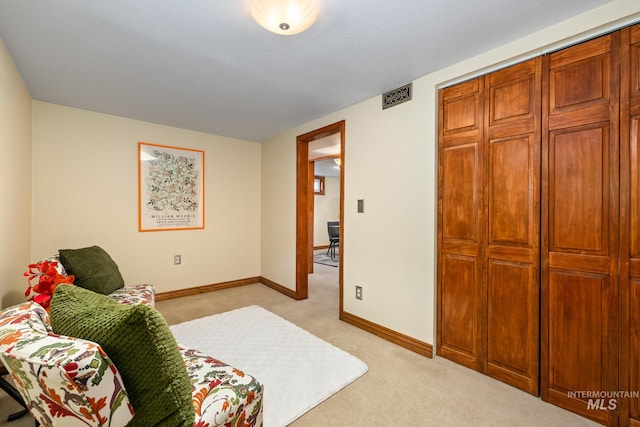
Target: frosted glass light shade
(285, 17)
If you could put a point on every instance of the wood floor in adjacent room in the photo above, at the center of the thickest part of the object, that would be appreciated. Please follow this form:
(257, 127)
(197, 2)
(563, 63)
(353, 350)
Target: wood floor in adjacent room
(401, 388)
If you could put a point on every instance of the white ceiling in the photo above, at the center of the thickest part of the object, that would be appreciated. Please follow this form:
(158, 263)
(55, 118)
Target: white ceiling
(326, 168)
(328, 146)
(206, 65)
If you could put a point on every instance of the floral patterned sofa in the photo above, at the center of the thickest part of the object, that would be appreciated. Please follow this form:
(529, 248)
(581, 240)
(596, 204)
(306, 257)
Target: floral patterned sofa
(68, 381)
(140, 294)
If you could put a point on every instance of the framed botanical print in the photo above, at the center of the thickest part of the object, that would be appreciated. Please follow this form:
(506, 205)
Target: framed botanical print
(170, 188)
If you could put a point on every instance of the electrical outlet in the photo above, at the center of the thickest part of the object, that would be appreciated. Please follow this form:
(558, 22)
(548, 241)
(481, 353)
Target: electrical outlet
(359, 292)
(177, 259)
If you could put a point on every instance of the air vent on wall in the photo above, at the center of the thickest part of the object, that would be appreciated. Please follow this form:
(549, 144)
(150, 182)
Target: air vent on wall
(397, 96)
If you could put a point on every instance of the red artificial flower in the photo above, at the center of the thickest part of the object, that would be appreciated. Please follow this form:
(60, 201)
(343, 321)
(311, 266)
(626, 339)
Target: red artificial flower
(43, 299)
(48, 280)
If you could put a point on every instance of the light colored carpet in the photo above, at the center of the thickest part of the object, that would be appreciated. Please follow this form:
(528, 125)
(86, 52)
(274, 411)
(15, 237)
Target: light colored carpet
(401, 388)
(321, 257)
(298, 370)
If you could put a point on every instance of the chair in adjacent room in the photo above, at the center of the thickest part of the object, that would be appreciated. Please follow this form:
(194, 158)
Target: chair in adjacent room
(333, 227)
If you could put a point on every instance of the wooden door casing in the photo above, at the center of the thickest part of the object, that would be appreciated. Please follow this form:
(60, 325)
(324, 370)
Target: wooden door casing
(580, 225)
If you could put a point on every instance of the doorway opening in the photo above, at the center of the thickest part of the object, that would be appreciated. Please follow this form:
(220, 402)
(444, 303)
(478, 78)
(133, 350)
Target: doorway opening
(305, 177)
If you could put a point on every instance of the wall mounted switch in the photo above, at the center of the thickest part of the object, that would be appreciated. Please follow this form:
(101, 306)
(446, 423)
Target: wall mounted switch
(177, 259)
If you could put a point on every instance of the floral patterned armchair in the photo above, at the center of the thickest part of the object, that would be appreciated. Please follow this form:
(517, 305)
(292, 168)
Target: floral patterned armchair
(67, 381)
(60, 378)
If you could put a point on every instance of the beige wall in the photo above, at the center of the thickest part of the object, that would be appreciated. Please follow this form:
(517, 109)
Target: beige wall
(278, 243)
(326, 208)
(85, 192)
(15, 175)
(390, 250)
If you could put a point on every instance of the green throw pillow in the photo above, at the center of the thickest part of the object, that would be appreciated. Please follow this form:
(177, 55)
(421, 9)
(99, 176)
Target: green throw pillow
(93, 268)
(138, 340)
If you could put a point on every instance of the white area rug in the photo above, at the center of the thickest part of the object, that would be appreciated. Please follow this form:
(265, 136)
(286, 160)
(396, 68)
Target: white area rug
(298, 369)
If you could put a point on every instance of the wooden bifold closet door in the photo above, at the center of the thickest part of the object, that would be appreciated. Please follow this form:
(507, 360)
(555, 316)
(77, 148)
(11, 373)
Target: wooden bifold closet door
(630, 224)
(489, 224)
(539, 227)
(580, 233)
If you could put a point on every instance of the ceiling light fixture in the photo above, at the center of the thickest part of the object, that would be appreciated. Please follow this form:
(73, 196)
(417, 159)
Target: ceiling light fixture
(284, 17)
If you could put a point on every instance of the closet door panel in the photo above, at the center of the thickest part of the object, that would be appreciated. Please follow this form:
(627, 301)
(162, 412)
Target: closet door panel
(459, 305)
(580, 233)
(578, 343)
(579, 192)
(460, 200)
(634, 354)
(630, 225)
(510, 196)
(633, 68)
(460, 279)
(512, 203)
(580, 84)
(634, 195)
(460, 111)
(512, 319)
(632, 288)
(460, 217)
